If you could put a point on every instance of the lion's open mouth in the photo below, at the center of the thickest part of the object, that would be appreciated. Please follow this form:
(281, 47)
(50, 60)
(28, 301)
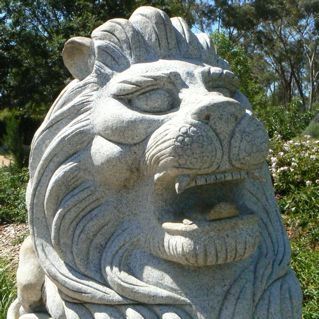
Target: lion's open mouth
(205, 219)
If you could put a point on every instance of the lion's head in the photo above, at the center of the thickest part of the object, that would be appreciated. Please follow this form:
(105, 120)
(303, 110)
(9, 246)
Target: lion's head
(148, 179)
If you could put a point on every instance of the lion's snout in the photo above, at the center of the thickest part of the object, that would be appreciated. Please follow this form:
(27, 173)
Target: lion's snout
(216, 134)
(185, 145)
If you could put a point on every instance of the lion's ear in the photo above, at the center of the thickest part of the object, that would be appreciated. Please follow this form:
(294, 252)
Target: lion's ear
(78, 56)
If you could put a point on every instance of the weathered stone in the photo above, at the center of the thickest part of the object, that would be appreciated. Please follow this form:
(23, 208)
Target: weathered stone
(149, 194)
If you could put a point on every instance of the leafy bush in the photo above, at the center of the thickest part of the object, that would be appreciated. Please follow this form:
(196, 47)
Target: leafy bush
(289, 121)
(4, 114)
(305, 263)
(313, 128)
(7, 289)
(12, 194)
(294, 165)
(13, 139)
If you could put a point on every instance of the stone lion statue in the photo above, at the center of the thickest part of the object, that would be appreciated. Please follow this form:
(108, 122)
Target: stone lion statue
(149, 194)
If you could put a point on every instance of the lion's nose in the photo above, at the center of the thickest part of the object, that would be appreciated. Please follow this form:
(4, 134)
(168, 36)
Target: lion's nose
(219, 112)
(244, 141)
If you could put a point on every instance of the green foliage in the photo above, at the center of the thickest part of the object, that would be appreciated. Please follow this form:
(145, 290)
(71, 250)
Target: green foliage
(305, 262)
(32, 35)
(241, 65)
(4, 115)
(7, 288)
(12, 194)
(13, 140)
(294, 165)
(281, 38)
(287, 121)
(313, 128)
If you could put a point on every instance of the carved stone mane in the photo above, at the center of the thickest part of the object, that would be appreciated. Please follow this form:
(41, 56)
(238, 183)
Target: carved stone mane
(149, 194)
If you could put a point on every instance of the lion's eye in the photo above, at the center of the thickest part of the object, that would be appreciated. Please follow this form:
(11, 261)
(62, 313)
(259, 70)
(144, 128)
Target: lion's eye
(154, 101)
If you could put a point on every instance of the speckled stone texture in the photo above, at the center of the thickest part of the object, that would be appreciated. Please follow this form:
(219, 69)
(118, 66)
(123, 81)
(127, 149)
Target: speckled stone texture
(149, 194)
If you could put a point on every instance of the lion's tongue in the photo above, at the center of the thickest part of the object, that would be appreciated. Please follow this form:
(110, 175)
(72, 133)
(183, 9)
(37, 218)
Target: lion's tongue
(220, 211)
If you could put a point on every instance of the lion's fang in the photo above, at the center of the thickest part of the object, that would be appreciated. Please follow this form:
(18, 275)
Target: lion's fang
(182, 182)
(186, 181)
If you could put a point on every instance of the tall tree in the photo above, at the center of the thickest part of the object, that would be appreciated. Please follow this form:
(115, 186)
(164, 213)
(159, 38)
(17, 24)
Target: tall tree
(285, 33)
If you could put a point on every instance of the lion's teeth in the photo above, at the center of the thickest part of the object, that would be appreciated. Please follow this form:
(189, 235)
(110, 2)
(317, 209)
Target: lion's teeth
(222, 210)
(186, 181)
(219, 177)
(182, 182)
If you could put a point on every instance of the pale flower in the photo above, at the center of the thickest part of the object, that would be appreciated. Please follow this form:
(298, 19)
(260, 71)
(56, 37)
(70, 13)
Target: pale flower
(308, 183)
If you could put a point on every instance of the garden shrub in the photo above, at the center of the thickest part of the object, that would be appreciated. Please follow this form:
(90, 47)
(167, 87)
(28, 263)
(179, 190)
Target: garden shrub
(294, 165)
(13, 140)
(4, 114)
(13, 183)
(289, 121)
(305, 263)
(313, 128)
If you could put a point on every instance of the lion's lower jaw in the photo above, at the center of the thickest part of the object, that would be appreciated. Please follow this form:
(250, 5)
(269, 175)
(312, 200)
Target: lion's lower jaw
(225, 246)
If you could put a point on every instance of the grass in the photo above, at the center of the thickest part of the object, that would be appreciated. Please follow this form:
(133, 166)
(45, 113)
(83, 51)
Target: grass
(7, 287)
